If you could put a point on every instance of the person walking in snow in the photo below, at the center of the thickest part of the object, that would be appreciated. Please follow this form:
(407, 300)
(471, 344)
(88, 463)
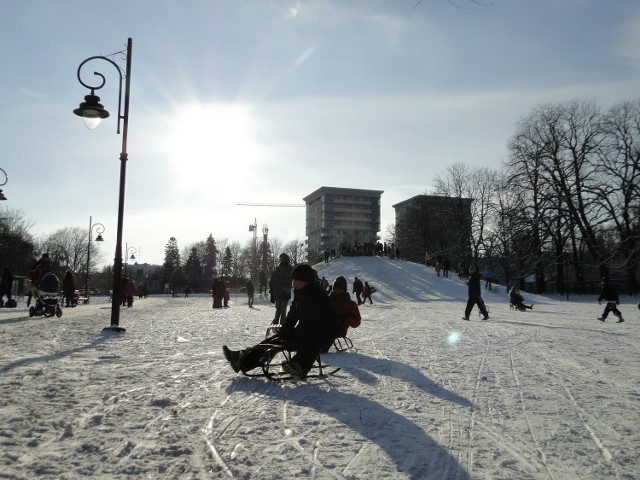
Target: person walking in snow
(446, 265)
(368, 290)
(358, 287)
(307, 326)
(475, 297)
(609, 294)
(250, 293)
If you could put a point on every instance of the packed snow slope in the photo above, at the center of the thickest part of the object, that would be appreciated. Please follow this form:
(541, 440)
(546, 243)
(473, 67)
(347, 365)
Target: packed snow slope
(550, 393)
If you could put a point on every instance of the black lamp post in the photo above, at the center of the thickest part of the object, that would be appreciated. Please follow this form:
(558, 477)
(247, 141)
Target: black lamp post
(6, 179)
(99, 231)
(129, 257)
(92, 112)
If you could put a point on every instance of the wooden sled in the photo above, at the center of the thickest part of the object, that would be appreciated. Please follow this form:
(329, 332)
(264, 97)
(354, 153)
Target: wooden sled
(342, 344)
(271, 365)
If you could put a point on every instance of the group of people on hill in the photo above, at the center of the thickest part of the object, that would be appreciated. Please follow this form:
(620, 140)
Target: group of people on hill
(314, 321)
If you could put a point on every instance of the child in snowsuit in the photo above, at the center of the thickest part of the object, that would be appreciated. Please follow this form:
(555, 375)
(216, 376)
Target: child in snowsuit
(475, 297)
(609, 293)
(345, 310)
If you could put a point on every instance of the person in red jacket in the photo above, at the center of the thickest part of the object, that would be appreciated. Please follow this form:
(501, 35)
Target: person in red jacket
(345, 310)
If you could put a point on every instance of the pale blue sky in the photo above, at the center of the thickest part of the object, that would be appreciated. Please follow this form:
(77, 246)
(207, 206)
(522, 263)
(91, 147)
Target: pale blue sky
(266, 101)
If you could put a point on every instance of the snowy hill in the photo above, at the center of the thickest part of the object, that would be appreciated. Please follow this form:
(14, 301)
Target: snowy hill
(545, 394)
(396, 279)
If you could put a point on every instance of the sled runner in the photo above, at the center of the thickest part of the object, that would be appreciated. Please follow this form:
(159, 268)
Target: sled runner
(276, 355)
(342, 344)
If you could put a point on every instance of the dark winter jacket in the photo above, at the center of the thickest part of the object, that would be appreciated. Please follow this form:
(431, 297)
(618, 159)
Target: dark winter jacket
(346, 311)
(474, 285)
(608, 293)
(310, 320)
(280, 283)
(68, 285)
(7, 279)
(358, 287)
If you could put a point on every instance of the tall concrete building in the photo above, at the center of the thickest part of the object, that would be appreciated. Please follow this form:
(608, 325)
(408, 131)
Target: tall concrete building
(339, 217)
(435, 225)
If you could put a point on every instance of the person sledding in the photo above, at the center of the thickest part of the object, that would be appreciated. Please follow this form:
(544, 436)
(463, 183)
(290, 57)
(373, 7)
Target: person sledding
(609, 294)
(306, 328)
(517, 300)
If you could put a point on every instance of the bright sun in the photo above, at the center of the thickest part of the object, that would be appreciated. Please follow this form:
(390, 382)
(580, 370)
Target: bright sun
(209, 140)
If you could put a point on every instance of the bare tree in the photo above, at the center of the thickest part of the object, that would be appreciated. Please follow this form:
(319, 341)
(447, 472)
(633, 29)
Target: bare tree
(67, 248)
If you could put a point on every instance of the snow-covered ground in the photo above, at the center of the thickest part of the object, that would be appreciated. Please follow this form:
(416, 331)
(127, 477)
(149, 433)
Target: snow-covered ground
(545, 394)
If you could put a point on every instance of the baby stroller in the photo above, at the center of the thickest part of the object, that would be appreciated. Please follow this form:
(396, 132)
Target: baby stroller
(47, 297)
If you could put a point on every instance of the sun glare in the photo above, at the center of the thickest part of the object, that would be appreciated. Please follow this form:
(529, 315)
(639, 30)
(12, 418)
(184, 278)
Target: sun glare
(207, 141)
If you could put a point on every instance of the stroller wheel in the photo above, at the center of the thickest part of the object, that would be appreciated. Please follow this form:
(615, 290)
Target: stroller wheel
(58, 312)
(32, 311)
(48, 313)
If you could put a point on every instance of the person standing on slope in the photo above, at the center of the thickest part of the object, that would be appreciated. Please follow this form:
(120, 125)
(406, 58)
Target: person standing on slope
(280, 288)
(475, 297)
(358, 287)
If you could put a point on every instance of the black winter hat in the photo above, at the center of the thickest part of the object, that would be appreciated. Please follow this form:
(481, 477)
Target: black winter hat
(340, 283)
(303, 272)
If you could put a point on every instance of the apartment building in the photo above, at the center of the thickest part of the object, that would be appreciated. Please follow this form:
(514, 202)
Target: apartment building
(341, 217)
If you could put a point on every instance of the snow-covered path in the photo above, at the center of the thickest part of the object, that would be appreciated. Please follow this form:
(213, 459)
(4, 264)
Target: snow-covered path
(546, 394)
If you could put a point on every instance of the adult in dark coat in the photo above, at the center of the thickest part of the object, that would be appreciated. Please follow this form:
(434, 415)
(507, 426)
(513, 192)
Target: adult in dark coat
(475, 297)
(358, 287)
(280, 288)
(217, 292)
(6, 284)
(250, 293)
(306, 328)
(609, 293)
(68, 289)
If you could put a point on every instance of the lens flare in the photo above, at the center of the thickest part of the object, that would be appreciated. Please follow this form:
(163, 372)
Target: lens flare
(453, 339)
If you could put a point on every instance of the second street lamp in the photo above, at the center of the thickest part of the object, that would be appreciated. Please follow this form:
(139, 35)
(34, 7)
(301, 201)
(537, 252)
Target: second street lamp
(128, 257)
(99, 231)
(92, 111)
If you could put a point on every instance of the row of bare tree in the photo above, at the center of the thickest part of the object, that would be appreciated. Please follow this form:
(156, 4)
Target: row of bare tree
(566, 206)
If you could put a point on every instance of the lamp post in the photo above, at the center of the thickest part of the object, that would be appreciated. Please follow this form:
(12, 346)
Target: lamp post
(99, 231)
(6, 179)
(127, 257)
(92, 113)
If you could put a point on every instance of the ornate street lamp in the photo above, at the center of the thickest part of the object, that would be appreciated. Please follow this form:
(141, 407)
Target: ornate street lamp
(92, 112)
(99, 231)
(128, 250)
(6, 179)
